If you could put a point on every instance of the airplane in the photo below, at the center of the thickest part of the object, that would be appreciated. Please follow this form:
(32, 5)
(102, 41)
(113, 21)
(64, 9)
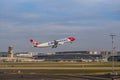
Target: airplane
(52, 44)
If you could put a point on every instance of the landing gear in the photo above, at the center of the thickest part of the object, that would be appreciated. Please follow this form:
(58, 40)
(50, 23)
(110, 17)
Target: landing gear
(55, 44)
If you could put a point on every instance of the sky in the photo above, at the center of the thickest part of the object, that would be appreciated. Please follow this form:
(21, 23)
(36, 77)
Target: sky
(91, 22)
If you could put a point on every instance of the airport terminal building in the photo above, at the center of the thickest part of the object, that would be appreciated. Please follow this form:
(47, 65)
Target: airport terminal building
(66, 56)
(78, 56)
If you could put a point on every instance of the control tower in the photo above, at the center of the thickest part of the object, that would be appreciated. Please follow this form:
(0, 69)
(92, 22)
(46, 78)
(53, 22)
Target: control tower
(10, 52)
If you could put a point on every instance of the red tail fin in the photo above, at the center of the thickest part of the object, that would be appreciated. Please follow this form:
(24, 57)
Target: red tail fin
(34, 42)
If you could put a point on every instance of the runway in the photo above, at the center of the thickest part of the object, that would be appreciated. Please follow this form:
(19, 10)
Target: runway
(14, 73)
(61, 68)
(56, 77)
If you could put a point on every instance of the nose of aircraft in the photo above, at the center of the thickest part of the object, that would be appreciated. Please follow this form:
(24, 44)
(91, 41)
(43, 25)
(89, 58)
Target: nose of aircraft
(71, 38)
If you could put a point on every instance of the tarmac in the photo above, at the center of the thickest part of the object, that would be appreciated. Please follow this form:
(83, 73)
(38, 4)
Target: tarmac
(57, 77)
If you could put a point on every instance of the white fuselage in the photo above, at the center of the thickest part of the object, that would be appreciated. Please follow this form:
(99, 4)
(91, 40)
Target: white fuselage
(51, 43)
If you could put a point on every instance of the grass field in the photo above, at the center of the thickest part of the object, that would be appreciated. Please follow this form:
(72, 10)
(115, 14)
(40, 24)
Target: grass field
(58, 67)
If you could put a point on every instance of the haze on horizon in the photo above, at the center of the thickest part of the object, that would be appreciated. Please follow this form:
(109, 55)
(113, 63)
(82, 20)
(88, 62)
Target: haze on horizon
(89, 21)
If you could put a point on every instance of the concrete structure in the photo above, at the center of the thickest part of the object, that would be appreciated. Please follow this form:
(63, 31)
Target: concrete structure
(25, 54)
(10, 52)
(105, 55)
(15, 59)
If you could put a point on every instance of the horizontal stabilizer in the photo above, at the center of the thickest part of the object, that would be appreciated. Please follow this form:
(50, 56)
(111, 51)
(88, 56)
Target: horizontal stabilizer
(34, 43)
